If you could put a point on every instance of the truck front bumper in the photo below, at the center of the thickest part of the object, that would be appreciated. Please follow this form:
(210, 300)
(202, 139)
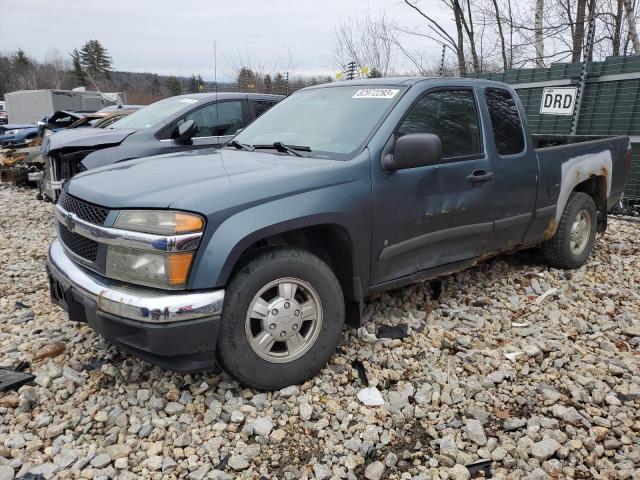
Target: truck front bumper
(177, 331)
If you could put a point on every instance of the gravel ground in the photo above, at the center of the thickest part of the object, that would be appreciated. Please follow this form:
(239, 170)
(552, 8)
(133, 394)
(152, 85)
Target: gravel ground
(541, 386)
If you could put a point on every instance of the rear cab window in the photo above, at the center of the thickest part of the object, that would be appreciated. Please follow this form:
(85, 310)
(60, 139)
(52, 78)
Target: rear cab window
(261, 106)
(505, 121)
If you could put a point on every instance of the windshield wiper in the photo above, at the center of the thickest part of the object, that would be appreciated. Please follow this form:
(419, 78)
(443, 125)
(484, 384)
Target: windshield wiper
(281, 147)
(244, 146)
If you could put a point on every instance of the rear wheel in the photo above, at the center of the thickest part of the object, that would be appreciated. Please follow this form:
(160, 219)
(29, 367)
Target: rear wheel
(282, 319)
(575, 236)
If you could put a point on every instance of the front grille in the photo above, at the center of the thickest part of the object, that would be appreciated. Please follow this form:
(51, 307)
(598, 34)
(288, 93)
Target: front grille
(86, 211)
(81, 246)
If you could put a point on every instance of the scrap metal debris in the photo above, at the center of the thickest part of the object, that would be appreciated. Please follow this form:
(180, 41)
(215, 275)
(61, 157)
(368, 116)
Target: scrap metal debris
(364, 334)
(394, 332)
(223, 463)
(513, 356)
(481, 467)
(371, 397)
(543, 297)
(362, 373)
(12, 380)
(95, 364)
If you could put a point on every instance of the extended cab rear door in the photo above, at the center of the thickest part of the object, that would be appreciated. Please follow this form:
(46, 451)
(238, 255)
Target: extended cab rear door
(441, 213)
(515, 168)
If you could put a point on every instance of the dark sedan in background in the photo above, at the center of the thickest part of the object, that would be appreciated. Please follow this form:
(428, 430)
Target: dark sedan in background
(185, 122)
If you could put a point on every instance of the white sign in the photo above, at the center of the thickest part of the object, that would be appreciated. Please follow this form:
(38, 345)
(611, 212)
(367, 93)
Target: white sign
(558, 100)
(375, 93)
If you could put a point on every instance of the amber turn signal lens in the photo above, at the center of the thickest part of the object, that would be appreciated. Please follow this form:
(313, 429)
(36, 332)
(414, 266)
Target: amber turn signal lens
(185, 223)
(178, 268)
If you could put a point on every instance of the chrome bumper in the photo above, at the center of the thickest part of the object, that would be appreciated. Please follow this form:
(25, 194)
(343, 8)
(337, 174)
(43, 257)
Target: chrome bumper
(141, 305)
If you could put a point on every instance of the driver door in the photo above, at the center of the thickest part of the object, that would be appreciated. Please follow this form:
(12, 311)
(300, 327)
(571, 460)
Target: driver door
(432, 215)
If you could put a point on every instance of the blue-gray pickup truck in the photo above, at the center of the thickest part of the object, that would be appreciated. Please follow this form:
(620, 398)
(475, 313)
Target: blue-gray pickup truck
(255, 255)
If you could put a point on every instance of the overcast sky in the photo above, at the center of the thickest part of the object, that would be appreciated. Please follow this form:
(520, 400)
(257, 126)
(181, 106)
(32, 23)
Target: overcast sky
(177, 36)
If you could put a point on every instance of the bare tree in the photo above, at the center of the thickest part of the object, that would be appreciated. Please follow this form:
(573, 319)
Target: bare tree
(503, 48)
(539, 37)
(367, 40)
(439, 34)
(631, 25)
(55, 67)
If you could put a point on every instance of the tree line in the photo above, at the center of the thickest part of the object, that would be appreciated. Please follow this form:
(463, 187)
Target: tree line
(489, 35)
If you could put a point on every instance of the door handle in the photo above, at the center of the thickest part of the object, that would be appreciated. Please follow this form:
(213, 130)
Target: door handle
(479, 176)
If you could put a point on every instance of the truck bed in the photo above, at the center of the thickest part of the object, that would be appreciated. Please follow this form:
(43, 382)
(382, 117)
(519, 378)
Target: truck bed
(595, 165)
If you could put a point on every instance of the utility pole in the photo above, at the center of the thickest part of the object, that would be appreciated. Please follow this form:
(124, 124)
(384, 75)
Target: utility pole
(441, 70)
(583, 74)
(350, 70)
(286, 85)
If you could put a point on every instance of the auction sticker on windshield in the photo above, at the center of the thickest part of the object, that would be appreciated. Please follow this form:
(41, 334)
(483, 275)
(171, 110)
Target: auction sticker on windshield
(376, 93)
(189, 100)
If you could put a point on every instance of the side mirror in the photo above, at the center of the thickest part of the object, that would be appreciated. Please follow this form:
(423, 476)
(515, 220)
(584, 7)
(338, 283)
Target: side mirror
(414, 150)
(185, 131)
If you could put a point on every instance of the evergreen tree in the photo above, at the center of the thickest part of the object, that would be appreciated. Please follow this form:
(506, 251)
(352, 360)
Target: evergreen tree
(375, 73)
(267, 83)
(77, 72)
(279, 84)
(246, 80)
(20, 60)
(95, 60)
(193, 84)
(154, 85)
(174, 86)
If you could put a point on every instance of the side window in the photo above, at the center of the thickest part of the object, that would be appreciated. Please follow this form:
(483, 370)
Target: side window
(217, 119)
(261, 106)
(450, 114)
(505, 121)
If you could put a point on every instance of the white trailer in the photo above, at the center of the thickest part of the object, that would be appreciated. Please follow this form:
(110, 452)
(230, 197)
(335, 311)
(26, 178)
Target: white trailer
(30, 106)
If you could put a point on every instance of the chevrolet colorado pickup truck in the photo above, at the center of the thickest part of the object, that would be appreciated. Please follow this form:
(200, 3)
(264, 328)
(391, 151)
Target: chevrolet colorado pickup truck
(256, 255)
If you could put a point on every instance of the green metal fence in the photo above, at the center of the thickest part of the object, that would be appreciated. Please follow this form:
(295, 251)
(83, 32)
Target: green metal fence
(610, 105)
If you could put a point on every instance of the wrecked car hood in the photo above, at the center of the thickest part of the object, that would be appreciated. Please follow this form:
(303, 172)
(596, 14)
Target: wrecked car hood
(84, 137)
(202, 180)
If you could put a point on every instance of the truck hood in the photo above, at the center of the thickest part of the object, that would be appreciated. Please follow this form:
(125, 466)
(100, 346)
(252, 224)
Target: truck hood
(204, 181)
(84, 138)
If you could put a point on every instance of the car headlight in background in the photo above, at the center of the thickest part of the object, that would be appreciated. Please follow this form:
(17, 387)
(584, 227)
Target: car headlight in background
(12, 132)
(168, 270)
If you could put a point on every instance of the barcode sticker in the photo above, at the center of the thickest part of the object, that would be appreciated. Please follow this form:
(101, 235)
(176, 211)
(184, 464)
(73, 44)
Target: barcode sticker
(376, 93)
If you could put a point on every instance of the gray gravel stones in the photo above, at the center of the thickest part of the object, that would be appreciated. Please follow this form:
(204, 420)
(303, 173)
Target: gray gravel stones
(374, 471)
(262, 426)
(545, 448)
(6, 472)
(475, 432)
(543, 391)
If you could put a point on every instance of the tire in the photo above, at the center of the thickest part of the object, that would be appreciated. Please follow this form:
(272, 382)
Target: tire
(561, 251)
(272, 368)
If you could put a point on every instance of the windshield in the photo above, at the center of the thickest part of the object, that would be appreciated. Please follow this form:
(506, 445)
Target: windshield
(332, 122)
(156, 112)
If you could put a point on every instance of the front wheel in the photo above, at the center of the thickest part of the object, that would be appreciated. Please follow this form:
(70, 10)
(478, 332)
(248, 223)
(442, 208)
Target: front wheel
(575, 236)
(282, 319)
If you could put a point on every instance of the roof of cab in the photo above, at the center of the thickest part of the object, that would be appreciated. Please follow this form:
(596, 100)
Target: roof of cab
(404, 81)
(228, 95)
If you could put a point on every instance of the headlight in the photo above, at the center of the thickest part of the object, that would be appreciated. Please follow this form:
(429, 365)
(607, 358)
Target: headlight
(154, 269)
(11, 132)
(160, 270)
(161, 222)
